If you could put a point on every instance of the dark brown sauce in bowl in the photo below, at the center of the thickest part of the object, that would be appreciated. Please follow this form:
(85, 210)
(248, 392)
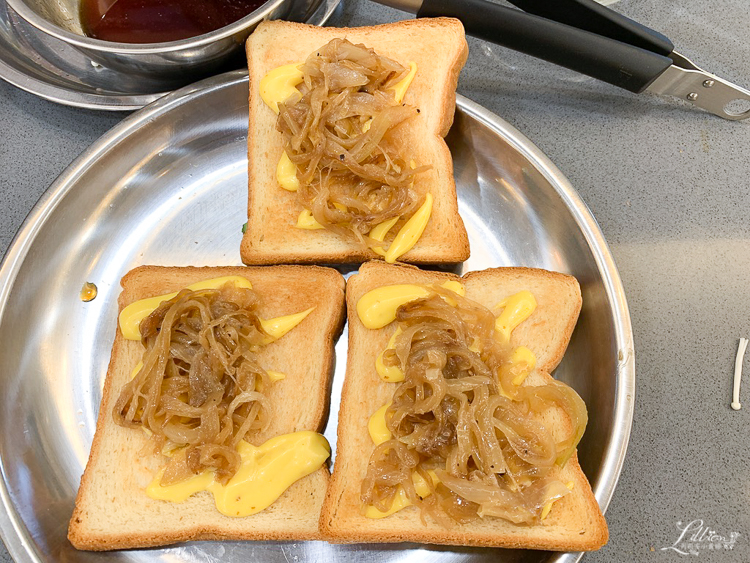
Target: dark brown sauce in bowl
(157, 21)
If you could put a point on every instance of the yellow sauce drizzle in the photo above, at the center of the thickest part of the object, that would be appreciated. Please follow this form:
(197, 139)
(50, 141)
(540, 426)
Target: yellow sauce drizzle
(522, 362)
(392, 374)
(377, 308)
(280, 84)
(266, 472)
(401, 501)
(377, 426)
(273, 376)
(307, 221)
(516, 309)
(409, 234)
(88, 292)
(548, 506)
(456, 287)
(279, 326)
(399, 90)
(286, 174)
(135, 371)
(379, 231)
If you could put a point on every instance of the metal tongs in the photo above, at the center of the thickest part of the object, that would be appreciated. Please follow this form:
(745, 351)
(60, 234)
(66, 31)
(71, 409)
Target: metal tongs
(594, 40)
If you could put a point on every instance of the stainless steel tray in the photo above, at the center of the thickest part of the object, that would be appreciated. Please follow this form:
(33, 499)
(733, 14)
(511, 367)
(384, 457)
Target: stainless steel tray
(168, 186)
(53, 70)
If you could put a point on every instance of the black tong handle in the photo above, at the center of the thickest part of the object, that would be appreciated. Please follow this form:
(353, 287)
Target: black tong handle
(593, 17)
(612, 61)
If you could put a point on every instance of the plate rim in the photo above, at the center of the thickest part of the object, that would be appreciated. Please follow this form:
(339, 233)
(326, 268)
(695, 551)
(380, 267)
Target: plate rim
(13, 530)
(115, 101)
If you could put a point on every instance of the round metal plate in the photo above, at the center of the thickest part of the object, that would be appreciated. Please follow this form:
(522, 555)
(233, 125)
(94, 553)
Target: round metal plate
(168, 186)
(53, 70)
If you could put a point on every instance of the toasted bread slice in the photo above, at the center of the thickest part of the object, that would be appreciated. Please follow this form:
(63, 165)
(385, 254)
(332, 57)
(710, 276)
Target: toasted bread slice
(574, 523)
(438, 47)
(112, 510)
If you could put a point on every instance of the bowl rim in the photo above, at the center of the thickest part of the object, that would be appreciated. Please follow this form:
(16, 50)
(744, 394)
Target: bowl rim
(82, 41)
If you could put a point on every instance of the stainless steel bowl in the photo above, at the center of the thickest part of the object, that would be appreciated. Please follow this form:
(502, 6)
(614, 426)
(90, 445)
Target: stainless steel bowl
(165, 65)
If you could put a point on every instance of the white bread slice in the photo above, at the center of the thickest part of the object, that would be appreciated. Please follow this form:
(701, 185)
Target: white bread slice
(438, 46)
(112, 510)
(575, 522)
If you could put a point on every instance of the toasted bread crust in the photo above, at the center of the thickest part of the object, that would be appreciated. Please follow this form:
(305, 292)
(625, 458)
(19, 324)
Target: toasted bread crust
(575, 523)
(113, 512)
(271, 236)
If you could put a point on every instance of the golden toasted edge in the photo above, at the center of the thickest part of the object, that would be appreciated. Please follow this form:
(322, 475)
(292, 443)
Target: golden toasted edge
(460, 250)
(335, 531)
(80, 537)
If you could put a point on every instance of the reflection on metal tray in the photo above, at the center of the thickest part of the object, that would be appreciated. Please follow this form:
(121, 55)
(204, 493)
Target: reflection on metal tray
(52, 69)
(168, 186)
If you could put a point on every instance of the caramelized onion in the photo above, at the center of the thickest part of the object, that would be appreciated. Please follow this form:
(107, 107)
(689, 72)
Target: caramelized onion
(481, 434)
(341, 135)
(200, 385)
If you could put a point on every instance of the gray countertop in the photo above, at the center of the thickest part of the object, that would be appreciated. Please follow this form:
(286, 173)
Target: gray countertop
(670, 187)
